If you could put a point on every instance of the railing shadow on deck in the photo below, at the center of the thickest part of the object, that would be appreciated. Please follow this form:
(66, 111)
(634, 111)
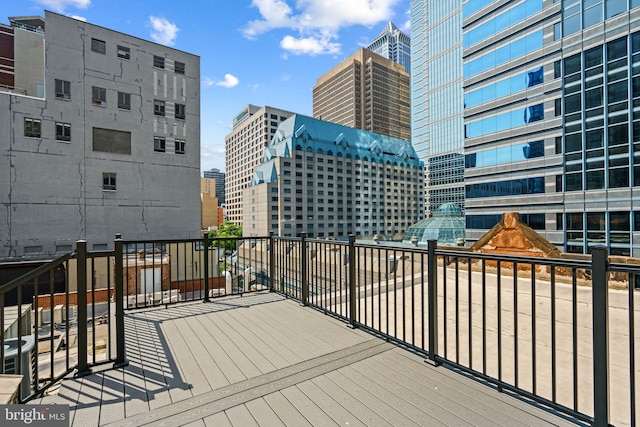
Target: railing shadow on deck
(537, 327)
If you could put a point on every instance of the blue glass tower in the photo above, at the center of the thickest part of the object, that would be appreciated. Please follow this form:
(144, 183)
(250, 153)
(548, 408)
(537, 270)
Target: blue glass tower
(552, 119)
(437, 99)
(393, 44)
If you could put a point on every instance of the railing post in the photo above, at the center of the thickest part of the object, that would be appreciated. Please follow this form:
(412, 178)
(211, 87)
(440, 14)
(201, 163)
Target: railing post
(272, 263)
(600, 302)
(206, 267)
(352, 281)
(303, 269)
(81, 270)
(121, 361)
(432, 291)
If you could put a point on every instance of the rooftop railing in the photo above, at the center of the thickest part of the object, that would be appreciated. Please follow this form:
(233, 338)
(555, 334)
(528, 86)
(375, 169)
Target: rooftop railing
(560, 332)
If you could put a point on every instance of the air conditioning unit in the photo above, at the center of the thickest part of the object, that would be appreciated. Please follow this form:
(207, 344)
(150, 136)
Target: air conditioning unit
(29, 362)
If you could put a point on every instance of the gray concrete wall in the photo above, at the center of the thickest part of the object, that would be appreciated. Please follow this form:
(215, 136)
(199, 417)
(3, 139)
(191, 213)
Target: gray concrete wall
(51, 191)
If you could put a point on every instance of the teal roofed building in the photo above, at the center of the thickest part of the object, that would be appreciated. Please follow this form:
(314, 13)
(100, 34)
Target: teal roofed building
(330, 180)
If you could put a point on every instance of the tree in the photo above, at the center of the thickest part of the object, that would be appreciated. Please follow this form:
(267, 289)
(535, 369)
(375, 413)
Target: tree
(229, 232)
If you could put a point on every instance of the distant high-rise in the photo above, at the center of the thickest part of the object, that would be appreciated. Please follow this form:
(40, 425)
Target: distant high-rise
(253, 129)
(219, 178)
(393, 44)
(436, 99)
(365, 91)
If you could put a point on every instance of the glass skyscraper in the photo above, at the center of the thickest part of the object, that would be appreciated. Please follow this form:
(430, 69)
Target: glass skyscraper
(550, 122)
(437, 99)
(393, 44)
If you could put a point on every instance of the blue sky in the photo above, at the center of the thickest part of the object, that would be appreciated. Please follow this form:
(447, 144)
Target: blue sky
(261, 52)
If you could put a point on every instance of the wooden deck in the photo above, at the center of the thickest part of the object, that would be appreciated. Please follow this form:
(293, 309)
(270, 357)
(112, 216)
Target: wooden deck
(264, 360)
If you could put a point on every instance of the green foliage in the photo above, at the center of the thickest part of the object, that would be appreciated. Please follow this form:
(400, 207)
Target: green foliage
(226, 230)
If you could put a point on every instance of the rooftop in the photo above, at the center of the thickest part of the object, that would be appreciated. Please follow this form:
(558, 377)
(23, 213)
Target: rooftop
(265, 360)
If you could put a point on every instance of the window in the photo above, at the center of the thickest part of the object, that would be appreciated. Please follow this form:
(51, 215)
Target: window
(159, 144)
(98, 46)
(158, 61)
(158, 107)
(180, 143)
(124, 52)
(108, 181)
(63, 131)
(558, 107)
(98, 95)
(180, 111)
(32, 127)
(63, 89)
(179, 67)
(124, 100)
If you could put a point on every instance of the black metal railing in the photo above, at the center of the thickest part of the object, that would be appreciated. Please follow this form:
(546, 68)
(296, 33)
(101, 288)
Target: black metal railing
(560, 331)
(539, 327)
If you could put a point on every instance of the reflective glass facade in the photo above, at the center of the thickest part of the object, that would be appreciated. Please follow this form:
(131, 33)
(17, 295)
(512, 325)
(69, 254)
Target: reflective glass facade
(437, 99)
(552, 119)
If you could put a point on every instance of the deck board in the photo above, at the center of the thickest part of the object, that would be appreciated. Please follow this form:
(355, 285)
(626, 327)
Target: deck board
(263, 413)
(265, 360)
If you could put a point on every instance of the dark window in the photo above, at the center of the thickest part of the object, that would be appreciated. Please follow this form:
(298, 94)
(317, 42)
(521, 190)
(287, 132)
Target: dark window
(558, 183)
(63, 89)
(158, 107)
(558, 145)
(159, 144)
(180, 111)
(32, 127)
(559, 225)
(179, 67)
(558, 107)
(557, 69)
(63, 131)
(593, 98)
(98, 46)
(124, 52)
(108, 181)
(617, 49)
(593, 57)
(111, 141)
(124, 100)
(158, 61)
(572, 104)
(180, 145)
(572, 65)
(98, 95)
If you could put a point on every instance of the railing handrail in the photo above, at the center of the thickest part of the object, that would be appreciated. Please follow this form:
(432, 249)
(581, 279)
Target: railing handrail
(44, 268)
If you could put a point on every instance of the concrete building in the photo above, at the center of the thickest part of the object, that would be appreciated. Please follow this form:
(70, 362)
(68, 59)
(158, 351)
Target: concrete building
(365, 91)
(212, 213)
(253, 128)
(393, 44)
(550, 89)
(219, 183)
(101, 135)
(330, 180)
(437, 108)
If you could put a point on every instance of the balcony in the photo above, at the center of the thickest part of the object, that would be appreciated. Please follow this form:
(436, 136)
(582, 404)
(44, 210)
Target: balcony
(305, 331)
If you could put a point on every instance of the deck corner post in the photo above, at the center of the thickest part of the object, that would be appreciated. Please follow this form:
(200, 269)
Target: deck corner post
(352, 281)
(432, 283)
(205, 263)
(304, 269)
(120, 361)
(600, 304)
(81, 270)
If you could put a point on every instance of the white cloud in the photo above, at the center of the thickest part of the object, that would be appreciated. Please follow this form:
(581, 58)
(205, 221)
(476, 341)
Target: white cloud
(163, 31)
(60, 5)
(229, 81)
(79, 18)
(309, 46)
(253, 87)
(317, 22)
